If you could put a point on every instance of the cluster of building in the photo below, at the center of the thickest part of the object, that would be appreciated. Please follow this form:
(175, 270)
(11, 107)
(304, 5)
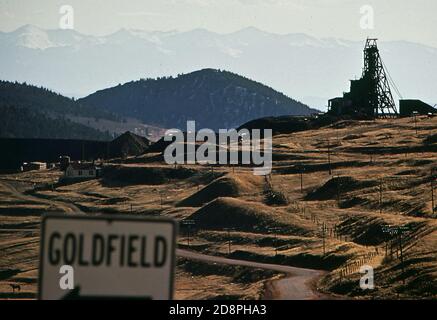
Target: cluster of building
(72, 170)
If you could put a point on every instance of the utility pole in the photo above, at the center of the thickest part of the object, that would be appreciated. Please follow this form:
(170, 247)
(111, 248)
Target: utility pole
(386, 248)
(323, 235)
(160, 197)
(401, 251)
(188, 223)
(301, 179)
(380, 195)
(229, 238)
(415, 121)
(329, 158)
(338, 191)
(274, 231)
(432, 190)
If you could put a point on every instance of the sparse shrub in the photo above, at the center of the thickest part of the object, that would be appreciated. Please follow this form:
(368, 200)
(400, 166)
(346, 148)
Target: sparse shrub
(430, 139)
(274, 197)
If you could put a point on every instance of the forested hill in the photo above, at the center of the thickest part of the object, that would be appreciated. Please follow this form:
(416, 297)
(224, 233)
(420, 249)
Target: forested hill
(34, 112)
(214, 99)
(44, 100)
(17, 122)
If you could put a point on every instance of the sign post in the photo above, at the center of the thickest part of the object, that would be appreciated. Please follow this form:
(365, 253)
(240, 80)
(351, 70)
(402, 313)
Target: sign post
(106, 257)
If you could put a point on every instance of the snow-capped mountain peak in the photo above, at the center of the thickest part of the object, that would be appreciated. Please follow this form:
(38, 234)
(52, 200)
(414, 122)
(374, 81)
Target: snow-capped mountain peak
(31, 37)
(297, 64)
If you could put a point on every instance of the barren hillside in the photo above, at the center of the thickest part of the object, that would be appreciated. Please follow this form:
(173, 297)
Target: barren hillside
(351, 194)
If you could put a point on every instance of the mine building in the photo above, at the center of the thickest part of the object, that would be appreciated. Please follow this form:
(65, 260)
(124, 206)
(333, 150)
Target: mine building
(409, 107)
(371, 96)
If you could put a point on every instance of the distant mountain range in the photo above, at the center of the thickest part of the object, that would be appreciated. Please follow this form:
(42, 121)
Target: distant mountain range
(308, 69)
(214, 99)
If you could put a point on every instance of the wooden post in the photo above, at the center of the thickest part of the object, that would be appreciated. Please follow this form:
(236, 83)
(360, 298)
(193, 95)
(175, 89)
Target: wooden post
(329, 158)
(415, 121)
(188, 223)
(301, 180)
(402, 253)
(324, 243)
(275, 230)
(188, 239)
(380, 195)
(391, 248)
(229, 238)
(432, 190)
(229, 242)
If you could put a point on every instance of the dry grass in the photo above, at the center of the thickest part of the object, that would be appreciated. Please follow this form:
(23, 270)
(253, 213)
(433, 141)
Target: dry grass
(380, 179)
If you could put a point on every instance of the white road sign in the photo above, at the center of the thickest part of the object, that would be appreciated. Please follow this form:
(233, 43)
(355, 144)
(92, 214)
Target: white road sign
(106, 257)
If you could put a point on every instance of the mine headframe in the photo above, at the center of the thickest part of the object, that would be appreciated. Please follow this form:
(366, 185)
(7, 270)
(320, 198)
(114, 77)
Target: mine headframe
(379, 96)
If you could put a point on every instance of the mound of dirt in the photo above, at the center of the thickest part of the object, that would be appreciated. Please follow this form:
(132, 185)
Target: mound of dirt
(247, 216)
(344, 124)
(131, 175)
(159, 146)
(353, 137)
(231, 185)
(337, 185)
(431, 139)
(128, 144)
(374, 231)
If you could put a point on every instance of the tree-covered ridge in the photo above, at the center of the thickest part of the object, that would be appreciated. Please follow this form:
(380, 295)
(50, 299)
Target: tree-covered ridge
(28, 111)
(46, 101)
(17, 122)
(215, 99)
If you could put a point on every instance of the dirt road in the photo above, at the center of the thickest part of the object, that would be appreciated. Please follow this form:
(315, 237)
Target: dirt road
(62, 206)
(297, 285)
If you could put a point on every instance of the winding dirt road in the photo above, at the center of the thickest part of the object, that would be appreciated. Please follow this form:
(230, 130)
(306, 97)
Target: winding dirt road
(63, 206)
(297, 285)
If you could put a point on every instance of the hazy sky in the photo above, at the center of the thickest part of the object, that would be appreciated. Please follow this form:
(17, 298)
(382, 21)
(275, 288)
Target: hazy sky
(394, 19)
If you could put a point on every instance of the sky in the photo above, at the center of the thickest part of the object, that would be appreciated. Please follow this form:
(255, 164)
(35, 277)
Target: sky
(414, 21)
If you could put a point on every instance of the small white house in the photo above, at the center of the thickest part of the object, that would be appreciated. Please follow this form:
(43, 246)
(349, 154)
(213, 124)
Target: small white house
(29, 166)
(80, 171)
